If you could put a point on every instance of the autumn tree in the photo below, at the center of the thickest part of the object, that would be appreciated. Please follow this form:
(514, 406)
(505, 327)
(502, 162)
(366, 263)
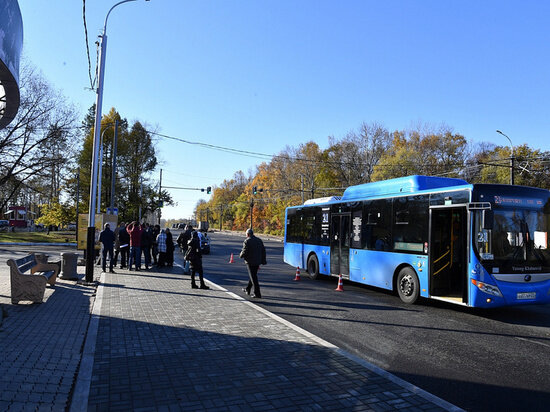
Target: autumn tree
(416, 152)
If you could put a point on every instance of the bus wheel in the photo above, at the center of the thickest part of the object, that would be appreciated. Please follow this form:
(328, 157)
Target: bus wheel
(408, 286)
(313, 267)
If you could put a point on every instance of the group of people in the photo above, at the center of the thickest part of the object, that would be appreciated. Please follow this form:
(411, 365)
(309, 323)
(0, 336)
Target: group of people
(136, 239)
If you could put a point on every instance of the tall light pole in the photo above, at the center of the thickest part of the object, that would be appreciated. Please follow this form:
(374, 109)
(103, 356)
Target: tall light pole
(511, 157)
(90, 238)
(99, 172)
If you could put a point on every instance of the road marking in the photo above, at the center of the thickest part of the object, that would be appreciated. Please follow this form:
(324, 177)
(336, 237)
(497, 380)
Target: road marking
(404, 384)
(533, 341)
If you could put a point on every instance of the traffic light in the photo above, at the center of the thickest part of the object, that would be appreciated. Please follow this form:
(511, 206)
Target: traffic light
(208, 190)
(254, 190)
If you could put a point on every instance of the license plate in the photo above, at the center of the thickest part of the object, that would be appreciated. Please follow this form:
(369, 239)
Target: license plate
(526, 295)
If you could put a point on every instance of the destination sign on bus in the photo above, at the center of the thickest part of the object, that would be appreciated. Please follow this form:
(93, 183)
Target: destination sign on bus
(518, 201)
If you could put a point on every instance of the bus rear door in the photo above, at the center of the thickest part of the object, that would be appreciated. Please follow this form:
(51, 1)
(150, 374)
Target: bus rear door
(448, 253)
(339, 244)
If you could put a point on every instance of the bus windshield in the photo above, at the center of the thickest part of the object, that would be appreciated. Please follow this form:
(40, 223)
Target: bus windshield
(517, 241)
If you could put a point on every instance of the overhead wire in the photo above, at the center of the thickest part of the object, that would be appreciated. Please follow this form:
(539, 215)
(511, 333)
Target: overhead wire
(87, 45)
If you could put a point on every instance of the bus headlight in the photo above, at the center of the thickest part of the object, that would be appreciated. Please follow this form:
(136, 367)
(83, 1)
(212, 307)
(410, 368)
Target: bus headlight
(484, 287)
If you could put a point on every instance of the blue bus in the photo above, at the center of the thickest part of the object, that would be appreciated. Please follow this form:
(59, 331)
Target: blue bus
(477, 245)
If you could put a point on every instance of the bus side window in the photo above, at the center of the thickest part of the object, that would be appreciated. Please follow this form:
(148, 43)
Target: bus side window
(410, 228)
(377, 225)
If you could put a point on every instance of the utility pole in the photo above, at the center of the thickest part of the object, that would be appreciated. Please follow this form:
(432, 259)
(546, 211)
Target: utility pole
(140, 197)
(221, 217)
(113, 172)
(512, 158)
(302, 187)
(251, 212)
(77, 196)
(160, 193)
(90, 238)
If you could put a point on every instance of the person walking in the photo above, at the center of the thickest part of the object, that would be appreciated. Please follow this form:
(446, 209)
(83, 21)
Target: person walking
(254, 255)
(161, 247)
(169, 248)
(194, 256)
(135, 230)
(124, 239)
(107, 238)
(146, 243)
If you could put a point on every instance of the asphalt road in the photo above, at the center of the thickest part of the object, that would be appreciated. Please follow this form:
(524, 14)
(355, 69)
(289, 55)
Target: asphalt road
(480, 360)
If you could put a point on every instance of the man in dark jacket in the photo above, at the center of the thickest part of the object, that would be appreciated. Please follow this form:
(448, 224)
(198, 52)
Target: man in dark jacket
(146, 243)
(124, 239)
(182, 240)
(253, 254)
(107, 237)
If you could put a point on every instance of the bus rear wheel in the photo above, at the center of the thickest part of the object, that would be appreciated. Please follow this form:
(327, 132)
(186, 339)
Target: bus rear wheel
(313, 267)
(408, 286)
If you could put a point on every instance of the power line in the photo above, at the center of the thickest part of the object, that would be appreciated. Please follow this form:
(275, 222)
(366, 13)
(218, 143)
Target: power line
(87, 46)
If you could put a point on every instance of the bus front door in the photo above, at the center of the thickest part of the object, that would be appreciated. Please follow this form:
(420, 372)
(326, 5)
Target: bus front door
(448, 253)
(339, 245)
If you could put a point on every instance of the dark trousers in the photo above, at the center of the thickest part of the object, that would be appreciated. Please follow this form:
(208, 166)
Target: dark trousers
(155, 251)
(162, 259)
(135, 257)
(104, 260)
(124, 256)
(253, 280)
(146, 255)
(170, 257)
(196, 267)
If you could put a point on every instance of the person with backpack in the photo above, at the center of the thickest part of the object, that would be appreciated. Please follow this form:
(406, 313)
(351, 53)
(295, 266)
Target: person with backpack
(194, 256)
(182, 240)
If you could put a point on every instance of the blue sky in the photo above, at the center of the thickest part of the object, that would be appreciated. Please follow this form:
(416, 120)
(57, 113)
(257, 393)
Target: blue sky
(261, 75)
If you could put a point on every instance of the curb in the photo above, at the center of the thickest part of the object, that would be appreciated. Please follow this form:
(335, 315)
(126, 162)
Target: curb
(373, 368)
(81, 392)
(35, 244)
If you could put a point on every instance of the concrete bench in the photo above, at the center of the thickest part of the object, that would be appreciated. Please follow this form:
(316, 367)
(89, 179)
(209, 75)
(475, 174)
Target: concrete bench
(29, 278)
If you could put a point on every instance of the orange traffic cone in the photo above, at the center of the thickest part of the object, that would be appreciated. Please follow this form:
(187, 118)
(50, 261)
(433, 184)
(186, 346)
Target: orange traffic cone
(231, 259)
(297, 273)
(340, 287)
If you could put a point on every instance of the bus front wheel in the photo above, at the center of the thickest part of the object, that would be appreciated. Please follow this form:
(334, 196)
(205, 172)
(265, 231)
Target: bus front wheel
(408, 286)
(313, 267)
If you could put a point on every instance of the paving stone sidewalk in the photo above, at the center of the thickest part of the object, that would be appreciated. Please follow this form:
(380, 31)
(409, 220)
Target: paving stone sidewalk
(162, 346)
(41, 344)
(155, 344)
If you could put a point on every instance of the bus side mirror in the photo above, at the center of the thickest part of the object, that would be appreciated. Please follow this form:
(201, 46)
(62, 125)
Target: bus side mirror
(488, 217)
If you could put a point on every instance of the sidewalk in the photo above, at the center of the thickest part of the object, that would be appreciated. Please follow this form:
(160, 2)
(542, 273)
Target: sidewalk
(41, 345)
(155, 344)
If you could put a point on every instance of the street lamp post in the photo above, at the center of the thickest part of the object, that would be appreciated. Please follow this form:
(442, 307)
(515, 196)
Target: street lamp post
(512, 159)
(90, 238)
(99, 172)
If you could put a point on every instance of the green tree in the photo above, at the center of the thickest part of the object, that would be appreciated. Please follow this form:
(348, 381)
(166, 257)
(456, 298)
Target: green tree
(56, 214)
(136, 160)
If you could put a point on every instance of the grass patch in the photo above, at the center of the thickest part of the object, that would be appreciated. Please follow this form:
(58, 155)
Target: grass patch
(38, 237)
